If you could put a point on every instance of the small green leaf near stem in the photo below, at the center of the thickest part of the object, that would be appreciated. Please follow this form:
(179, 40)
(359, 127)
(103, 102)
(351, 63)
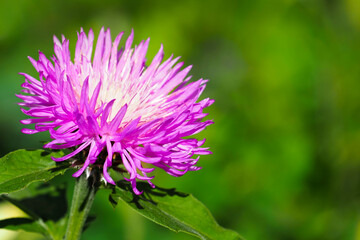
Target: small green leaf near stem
(84, 194)
(22, 167)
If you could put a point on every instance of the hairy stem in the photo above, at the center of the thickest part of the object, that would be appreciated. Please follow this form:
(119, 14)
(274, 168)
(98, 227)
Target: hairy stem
(84, 194)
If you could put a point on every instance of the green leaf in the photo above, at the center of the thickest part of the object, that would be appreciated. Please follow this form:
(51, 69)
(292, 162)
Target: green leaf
(26, 224)
(46, 206)
(172, 209)
(20, 168)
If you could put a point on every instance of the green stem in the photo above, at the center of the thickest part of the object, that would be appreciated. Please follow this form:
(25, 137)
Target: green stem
(84, 194)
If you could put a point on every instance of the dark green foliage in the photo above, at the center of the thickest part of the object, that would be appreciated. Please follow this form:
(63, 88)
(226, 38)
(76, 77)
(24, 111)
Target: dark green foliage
(180, 212)
(46, 207)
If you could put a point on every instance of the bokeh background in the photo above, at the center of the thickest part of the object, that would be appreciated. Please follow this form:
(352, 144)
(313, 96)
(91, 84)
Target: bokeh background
(286, 78)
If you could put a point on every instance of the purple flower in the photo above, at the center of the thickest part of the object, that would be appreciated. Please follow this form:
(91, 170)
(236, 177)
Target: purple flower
(117, 109)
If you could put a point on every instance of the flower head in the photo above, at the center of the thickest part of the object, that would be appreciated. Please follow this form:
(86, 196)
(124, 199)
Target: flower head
(115, 108)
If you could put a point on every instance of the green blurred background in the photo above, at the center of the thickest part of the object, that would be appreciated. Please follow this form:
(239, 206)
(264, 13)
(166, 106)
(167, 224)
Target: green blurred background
(286, 78)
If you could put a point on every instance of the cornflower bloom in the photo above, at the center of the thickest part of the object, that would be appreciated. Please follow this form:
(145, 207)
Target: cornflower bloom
(115, 108)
